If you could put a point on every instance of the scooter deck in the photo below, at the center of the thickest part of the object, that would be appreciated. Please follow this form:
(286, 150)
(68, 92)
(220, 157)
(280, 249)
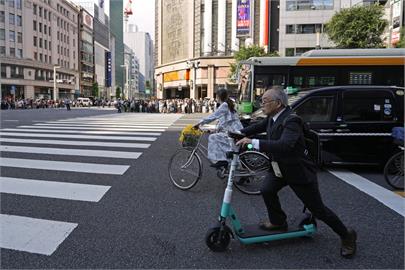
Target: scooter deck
(254, 230)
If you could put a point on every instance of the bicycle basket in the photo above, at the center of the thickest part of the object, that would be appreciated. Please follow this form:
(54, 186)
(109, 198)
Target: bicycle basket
(254, 161)
(190, 140)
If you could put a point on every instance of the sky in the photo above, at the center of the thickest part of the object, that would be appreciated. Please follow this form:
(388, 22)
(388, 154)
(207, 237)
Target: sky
(143, 15)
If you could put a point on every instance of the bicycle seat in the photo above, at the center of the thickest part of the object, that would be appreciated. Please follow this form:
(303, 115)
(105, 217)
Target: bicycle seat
(236, 136)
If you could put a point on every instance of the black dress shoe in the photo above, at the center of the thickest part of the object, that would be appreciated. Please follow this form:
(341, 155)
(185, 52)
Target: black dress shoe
(348, 248)
(219, 164)
(268, 226)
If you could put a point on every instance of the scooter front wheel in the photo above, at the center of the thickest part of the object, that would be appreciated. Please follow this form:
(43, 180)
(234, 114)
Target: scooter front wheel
(216, 240)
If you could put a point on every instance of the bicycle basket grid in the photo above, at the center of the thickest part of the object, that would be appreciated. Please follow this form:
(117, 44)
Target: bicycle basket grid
(189, 137)
(254, 161)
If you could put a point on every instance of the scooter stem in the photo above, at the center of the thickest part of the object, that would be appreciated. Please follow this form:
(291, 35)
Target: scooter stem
(228, 191)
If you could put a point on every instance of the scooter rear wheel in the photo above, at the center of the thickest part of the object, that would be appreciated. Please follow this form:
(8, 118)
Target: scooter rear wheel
(215, 242)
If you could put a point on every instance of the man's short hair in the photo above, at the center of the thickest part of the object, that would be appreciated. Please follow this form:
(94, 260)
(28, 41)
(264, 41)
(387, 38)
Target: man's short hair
(278, 93)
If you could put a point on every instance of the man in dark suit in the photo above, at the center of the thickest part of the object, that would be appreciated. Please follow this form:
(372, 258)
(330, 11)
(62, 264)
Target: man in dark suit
(292, 166)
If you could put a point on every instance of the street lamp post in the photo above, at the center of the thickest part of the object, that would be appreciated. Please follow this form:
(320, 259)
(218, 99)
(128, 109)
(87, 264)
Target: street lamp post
(54, 82)
(126, 81)
(195, 65)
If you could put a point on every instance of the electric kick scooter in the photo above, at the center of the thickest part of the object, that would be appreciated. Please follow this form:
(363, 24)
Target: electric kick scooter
(219, 237)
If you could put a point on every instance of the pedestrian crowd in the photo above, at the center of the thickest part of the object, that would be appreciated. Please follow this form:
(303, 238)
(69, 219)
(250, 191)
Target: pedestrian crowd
(186, 105)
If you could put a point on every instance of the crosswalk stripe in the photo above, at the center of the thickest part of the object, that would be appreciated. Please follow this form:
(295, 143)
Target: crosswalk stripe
(112, 123)
(51, 189)
(93, 137)
(84, 132)
(33, 235)
(64, 166)
(97, 125)
(70, 152)
(92, 128)
(83, 143)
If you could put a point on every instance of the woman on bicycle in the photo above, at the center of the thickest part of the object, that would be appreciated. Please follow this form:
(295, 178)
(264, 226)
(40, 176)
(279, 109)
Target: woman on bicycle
(228, 120)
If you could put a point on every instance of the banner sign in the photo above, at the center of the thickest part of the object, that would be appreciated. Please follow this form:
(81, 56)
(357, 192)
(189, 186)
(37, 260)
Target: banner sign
(108, 69)
(243, 22)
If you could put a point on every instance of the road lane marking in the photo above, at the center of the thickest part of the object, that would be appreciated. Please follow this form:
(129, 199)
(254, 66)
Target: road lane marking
(85, 132)
(92, 128)
(83, 143)
(99, 125)
(70, 152)
(112, 123)
(64, 166)
(386, 197)
(51, 189)
(92, 137)
(33, 235)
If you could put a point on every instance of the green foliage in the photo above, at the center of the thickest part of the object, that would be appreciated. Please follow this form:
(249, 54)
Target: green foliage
(357, 27)
(245, 53)
(401, 43)
(95, 90)
(117, 92)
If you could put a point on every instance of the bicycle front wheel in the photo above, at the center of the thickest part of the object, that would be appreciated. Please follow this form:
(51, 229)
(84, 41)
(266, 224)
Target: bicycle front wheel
(185, 169)
(394, 171)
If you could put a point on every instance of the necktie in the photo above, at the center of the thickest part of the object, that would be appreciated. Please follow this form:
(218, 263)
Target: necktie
(271, 122)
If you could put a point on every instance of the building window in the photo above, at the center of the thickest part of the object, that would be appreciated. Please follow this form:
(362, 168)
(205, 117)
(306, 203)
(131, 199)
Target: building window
(290, 29)
(49, 15)
(50, 46)
(11, 3)
(34, 9)
(299, 51)
(308, 28)
(2, 51)
(12, 52)
(45, 31)
(40, 57)
(19, 20)
(11, 18)
(35, 56)
(2, 34)
(309, 5)
(40, 42)
(40, 27)
(12, 36)
(49, 28)
(2, 16)
(45, 44)
(50, 59)
(35, 41)
(45, 14)
(34, 25)
(19, 53)
(19, 37)
(18, 4)
(289, 52)
(1, 2)
(40, 11)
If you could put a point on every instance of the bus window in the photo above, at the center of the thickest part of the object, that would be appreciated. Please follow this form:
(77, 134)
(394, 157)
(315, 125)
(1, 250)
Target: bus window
(360, 78)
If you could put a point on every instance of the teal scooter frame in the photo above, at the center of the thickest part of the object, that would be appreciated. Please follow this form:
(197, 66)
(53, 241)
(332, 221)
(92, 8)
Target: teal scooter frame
(219, 237)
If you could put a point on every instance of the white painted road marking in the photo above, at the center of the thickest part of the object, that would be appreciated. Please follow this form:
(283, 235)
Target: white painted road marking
(101, 125)
(70, 152)
(92, 128)
(84, 132)
(386, 197)
(115, 138)
(33, 235)
(83, 143)
(51, 189)
(64, 166)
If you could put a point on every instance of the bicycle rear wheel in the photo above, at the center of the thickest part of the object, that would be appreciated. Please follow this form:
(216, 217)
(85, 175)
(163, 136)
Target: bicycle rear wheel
(251, 184)
(185, 169)
(394, 171)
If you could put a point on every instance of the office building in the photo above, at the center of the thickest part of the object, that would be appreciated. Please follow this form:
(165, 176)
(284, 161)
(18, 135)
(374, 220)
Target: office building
(116, 27)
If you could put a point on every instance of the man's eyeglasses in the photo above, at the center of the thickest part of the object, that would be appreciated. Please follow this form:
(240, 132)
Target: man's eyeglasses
(264, 102)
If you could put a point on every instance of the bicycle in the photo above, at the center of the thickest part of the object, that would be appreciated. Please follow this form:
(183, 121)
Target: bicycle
(185, 167)
(394, 168)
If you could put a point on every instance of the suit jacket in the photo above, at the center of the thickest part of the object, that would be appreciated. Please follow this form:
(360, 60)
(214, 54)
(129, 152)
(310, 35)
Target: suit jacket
(285, 144)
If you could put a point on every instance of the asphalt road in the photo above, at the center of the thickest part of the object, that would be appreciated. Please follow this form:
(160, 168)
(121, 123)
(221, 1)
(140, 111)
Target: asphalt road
(143, 221)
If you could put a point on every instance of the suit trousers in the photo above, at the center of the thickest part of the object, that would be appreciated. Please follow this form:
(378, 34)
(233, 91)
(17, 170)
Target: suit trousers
(308, 193)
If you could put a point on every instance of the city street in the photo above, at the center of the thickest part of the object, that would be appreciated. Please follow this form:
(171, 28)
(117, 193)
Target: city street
(89, 188)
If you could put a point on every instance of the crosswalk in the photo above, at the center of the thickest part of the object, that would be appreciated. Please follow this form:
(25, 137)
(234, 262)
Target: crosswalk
(85, 147)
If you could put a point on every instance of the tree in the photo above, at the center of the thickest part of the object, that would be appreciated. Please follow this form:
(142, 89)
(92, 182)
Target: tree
(245, 53)
(117, 92)
(95, 90)
(357, 27)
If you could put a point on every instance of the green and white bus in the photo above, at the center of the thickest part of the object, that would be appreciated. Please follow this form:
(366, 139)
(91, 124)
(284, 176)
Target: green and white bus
(317, 68)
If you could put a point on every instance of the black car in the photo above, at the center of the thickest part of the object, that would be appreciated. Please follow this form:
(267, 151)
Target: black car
(354, 123)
